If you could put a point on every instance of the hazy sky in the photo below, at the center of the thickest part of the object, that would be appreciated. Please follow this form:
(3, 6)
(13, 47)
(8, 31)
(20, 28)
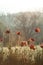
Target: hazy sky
(13, 6)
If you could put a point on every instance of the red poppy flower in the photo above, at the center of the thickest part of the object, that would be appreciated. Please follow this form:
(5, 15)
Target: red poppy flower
(37, 30)
(23, 43)
(1, 39)
(18, 33)
(41, 45)
(32, 46)
(31, 40)
(7, 31)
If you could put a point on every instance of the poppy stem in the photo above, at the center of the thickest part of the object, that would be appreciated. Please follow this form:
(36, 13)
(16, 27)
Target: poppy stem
(18, 40)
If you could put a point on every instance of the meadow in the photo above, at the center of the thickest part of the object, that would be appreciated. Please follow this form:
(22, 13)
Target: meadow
(21, 55)
(21, 39)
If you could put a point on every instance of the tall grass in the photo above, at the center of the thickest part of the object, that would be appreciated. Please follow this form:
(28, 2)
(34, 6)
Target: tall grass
(21, 55)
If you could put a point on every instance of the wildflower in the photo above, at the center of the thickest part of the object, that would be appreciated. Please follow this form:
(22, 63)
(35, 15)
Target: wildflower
(31, 39)
(18, 33)
(41, 45)
(7, 31)
(23, 43)
(32, 46)
(37, 30)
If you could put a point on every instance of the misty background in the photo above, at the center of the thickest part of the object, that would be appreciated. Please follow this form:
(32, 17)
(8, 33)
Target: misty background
(23, 16)
(25, 22)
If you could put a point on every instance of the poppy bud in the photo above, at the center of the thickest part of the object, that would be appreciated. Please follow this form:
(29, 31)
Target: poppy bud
(18, 33)
(23, 43)
(7, 31)
(32, 46)
(41, 45)
(37, 30)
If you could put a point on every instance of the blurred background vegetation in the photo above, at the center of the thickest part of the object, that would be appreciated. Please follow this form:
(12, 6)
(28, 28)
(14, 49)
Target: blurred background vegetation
(25, 22)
